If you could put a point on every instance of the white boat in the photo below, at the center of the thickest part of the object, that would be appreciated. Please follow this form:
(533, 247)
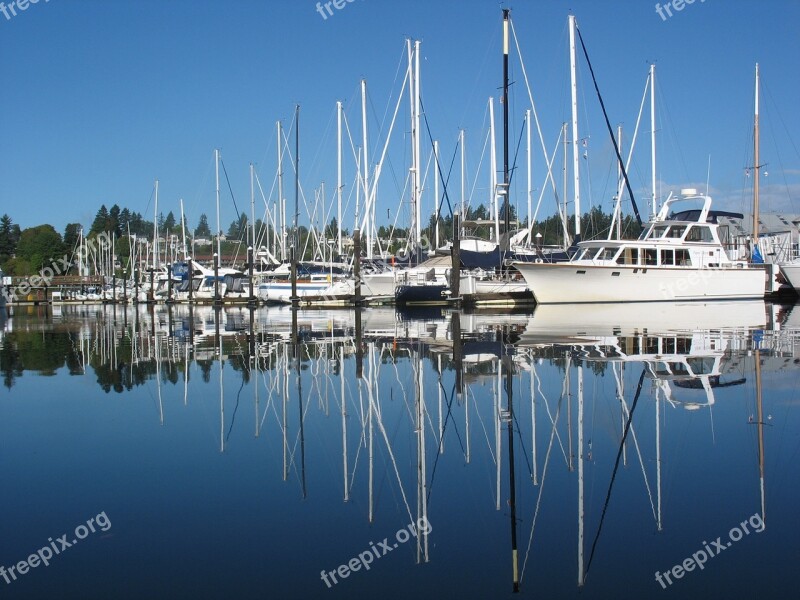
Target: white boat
(677, 257)
(558, 323)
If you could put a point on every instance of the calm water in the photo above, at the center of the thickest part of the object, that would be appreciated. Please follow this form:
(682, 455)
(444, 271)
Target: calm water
(214, 456)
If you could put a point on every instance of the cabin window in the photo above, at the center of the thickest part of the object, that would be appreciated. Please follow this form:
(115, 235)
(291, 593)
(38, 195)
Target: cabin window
(648, 256)
(668, 257)
(676, 231)
(583, 254)
(628, 256)
(607, 254)
(658, 231)
(682, 258)
(699, 233)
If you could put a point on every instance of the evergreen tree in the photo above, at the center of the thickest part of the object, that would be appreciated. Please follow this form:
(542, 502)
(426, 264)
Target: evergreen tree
(8, 238)
(169, 223)
(113, 221)
(101, 221)
(71, 233)
(203, 230)
(124, 220)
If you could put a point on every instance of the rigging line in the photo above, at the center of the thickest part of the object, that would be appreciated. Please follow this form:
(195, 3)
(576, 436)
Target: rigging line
(445, 195)
(382, 429)
(641, 461)
(238, 217)
(514, 164)
(233, 418)
(616, 467)
(522, 443)
(541, 487)
(441, 439)
(610, 130)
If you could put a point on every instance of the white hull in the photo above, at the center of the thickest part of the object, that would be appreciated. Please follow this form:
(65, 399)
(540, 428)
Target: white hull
(586, 283)
(280, 292)
(562, 322)
(792, 273)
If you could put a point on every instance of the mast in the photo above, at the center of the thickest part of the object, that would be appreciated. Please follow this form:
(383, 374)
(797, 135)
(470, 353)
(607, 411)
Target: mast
(339, 177)
(564, 184)
(493, 179)
(183, 235)
(653, 137)
(366, 165)
(506, 203)
(463, 175)
(756, 159)
(219, 230)
(155, 230)
(581, 458)
(760, 419)
(252, 210)
(529, 187)
(296, 240)
(281, 205)
(436, 188)
(575, 151)
(417, 151)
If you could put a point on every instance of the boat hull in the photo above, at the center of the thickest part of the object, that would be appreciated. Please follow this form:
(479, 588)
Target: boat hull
(585, 283)
(791, 272)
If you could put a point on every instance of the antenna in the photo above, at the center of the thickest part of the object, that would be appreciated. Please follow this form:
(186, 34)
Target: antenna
(708, 173)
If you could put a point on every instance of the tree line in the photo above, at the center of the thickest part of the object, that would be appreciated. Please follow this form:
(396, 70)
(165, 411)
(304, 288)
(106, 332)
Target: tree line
(26, 252)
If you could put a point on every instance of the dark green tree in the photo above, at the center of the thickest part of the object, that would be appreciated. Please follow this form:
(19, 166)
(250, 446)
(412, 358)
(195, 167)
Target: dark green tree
(8, 239)
(113, 221)
(39, 246)
(203, 230)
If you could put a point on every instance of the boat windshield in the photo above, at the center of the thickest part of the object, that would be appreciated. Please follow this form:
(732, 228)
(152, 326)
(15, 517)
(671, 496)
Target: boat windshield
(676, 231)
(657, 231)
(699, 233)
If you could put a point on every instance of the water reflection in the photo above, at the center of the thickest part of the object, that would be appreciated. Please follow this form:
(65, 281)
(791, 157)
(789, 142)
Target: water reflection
(586, 437)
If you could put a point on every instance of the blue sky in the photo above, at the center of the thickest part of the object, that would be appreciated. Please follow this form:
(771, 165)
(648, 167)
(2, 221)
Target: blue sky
(99, 98)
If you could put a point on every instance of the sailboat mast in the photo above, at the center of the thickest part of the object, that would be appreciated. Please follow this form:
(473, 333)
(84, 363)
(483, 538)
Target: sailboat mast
(756, 159)
(155, 230)
(463, 175)
(575, 150)
(219, 230)
(436, 187)
(281, 204)
(364, 141)
(529, 189)
(296, 240)
(493, 179)
(653, 138)
(339, 177)
(505, 191)
(183, 232)
(417, 151)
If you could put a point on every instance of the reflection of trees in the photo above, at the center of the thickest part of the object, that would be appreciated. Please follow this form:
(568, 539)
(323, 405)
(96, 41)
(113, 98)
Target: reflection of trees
(10, 362)
(44, 353)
